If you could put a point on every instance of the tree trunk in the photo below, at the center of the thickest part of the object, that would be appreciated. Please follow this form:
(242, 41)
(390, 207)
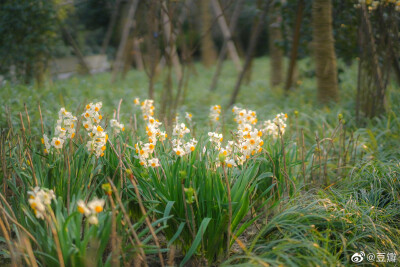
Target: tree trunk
(119, 61)
(78, 53)
(325, 57)
(295, 46)
(227, 34)
(250, 50)
(275, 52)
(222, 53)
(137, 54)
(110, 27)
(152, 51)
(208, 53)
(170, 38)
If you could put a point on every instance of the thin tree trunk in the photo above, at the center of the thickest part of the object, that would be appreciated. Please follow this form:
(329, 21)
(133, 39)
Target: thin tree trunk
(222, 53)
(227, 34)
(77, 51)
(118, 65)
(170, 39)
(325, 57)
(152, 52)
(128, 57)
(208, 53)
(250, 51)
(295, 46)
(275, 52)
(137, 54)
(110, 27)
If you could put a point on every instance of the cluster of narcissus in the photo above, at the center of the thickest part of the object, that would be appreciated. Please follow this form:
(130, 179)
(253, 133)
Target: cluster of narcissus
(65, 129)
(91, 209)
(97, 136)
(247, 140)
(374, 4)
(275, 127)
(40, 200)
(145, 150)
(215, 113)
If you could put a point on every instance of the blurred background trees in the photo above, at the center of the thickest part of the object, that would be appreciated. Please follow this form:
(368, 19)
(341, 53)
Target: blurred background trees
(156, 36)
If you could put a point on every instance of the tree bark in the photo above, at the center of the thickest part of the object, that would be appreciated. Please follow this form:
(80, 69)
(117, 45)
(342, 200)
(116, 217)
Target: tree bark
(295, 46)
(227, 34)
(170, 40)
(208, 53)
(275, 52)
(110, 27)
(77, 51)
(250, 51)
(137, 54)
(222, 53)
(325, 57)
(119, 61)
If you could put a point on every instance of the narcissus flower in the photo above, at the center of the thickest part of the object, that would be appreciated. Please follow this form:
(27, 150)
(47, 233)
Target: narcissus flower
(154, 162)
(117, 127)
(188, 116)
(91, 209)
(215, 113)
(57, 142)
(40, 200)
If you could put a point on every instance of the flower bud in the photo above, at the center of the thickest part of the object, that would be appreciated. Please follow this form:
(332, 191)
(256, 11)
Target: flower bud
(221, 157)
(107, 188)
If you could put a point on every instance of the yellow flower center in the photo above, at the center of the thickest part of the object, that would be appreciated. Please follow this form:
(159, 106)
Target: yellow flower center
(81, 210)
(57, 142)
(192, 148)
(99, 129)
(96, 108)
(99, 209)
(103, 148)
(178, 152)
